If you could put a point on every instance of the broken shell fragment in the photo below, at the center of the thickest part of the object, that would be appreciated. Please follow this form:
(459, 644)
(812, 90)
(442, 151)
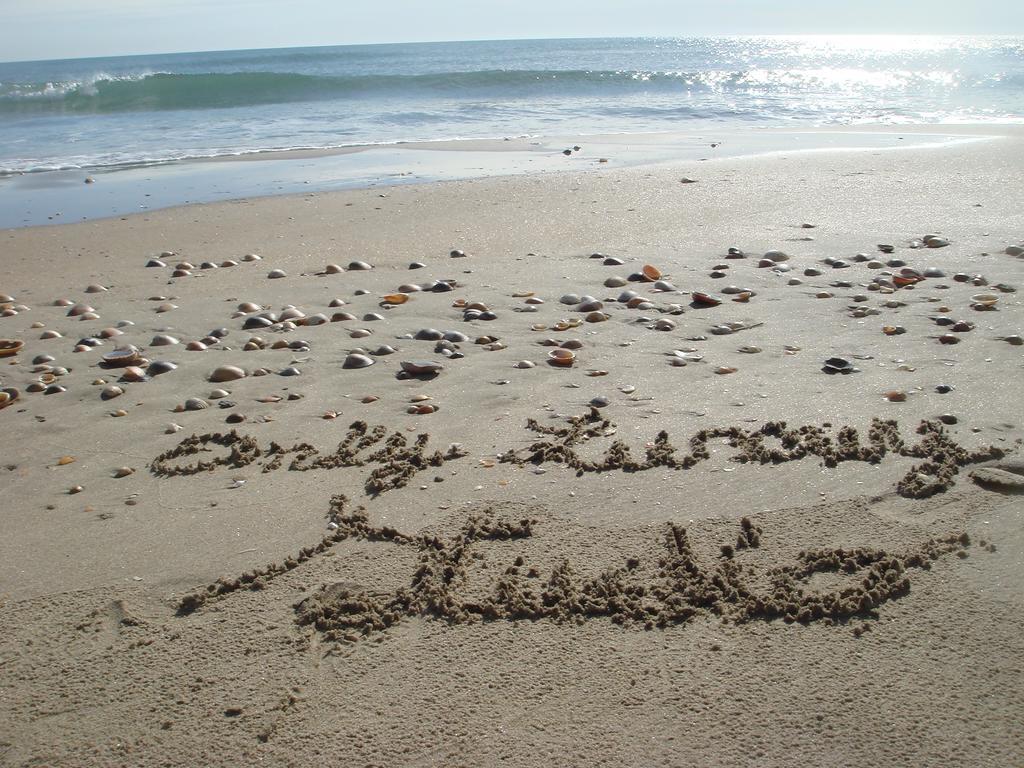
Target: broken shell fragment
(421, 367)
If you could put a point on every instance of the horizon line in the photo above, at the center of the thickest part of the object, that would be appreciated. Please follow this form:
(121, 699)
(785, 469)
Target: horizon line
(524, 39)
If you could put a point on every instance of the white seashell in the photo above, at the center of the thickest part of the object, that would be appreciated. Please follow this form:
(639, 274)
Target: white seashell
(95, 288)
(163, 340)
(524, 364)
(359, 265)
(251, 257)
(333, 269)
(276, 274)
(570, 299)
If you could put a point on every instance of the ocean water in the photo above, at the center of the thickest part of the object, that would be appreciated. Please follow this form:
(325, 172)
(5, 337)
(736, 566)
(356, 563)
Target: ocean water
(108, 113)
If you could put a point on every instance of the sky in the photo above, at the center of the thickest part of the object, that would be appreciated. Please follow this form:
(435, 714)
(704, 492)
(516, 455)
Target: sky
(57, 29)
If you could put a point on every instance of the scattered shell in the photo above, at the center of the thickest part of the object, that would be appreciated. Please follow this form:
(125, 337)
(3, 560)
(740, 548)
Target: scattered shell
(156, 263)
(985, 299)
(123, 472)
(11, 347)
(195, 346)
(725, 370)
(706, 299)
(359, 266)
(395, 298)
(172, 428)
(79, 309)
(274, 274)
(422, 409)
(896, 396)
(291, 371)
(133, 373)
(420, 367)
(839, 365)
(227, 373)
(196, 404)
(596, 317)
(251, 257)
(561, 357)
(95, 288)
(128, 355)
(333, 269)
(356, 360)
(651, 272)
(360, 333)
(615, 282)
(163, 340)
(217, 394)
(167, 307)
(158, 367)
(524, 364)
(749, 350)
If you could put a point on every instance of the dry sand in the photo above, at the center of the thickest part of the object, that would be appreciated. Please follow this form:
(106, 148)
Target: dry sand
(538, 595)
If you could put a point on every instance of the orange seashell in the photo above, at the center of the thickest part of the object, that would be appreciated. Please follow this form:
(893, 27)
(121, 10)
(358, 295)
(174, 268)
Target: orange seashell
(523, 295)
(370, 399)
(10, 347)
(706, 298)
(895, 396)
(562, 357)
(395, 298)
(651, 272)
(65, 460)
(904, 280)
(742, 297)
(459, 303)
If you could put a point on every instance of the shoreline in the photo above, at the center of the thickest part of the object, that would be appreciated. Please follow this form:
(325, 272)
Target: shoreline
(60, 197)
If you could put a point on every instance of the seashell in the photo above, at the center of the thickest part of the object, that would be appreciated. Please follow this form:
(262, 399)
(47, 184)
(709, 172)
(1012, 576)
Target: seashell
(158, 367)
(360, 333)
(395, 298)
(249, 307)
(456, 337)
(356, 266)
(384, 349)
(612, 261)
(255, 321)
(664, 286)
(838, 365)
(35, 386)
(1014, 340)
(333, 269)
(121, 356)
(217, 394)
(596, 317)
(227, 373)
(196, 404)
(8, 395)
(524, 364)
(570, 298)
(442, 286)
(172, 428)
(590, 306)
(934, 241)
(615, 282)
(134, 373)
(485, 339)
(229, 263)
(163, 340)
(372, 317)
(823, 295)
(291, 370)
(597, 373)
(95, 288)
(416, 265)
(724, 370)
(54, 389)
(318, 319)
(478, 306)
(664, 324)
(896, 396)
(338, 317)
(706, 299)
(422, 409)
(61, 302)
(562, 358)
(749, 350)
(185, 265)
(962, 327)
(948, 338)
(156, 263)
(79, 309)
(651, 273)
(123, 472)
(572, 344)
(985, 299)
(356, 360)
(195, 346)
(290, 313)
(251, 257)
(109, 333)
(181, 273)
(893, 330)
(418, 367)
(166, 308)
(428, 334)
(11, 347)
(276, 274)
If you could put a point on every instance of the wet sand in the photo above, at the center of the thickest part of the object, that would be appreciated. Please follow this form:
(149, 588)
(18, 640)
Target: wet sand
(622, 562)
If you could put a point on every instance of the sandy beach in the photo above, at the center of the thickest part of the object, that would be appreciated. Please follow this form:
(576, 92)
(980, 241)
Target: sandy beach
(338, 500)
